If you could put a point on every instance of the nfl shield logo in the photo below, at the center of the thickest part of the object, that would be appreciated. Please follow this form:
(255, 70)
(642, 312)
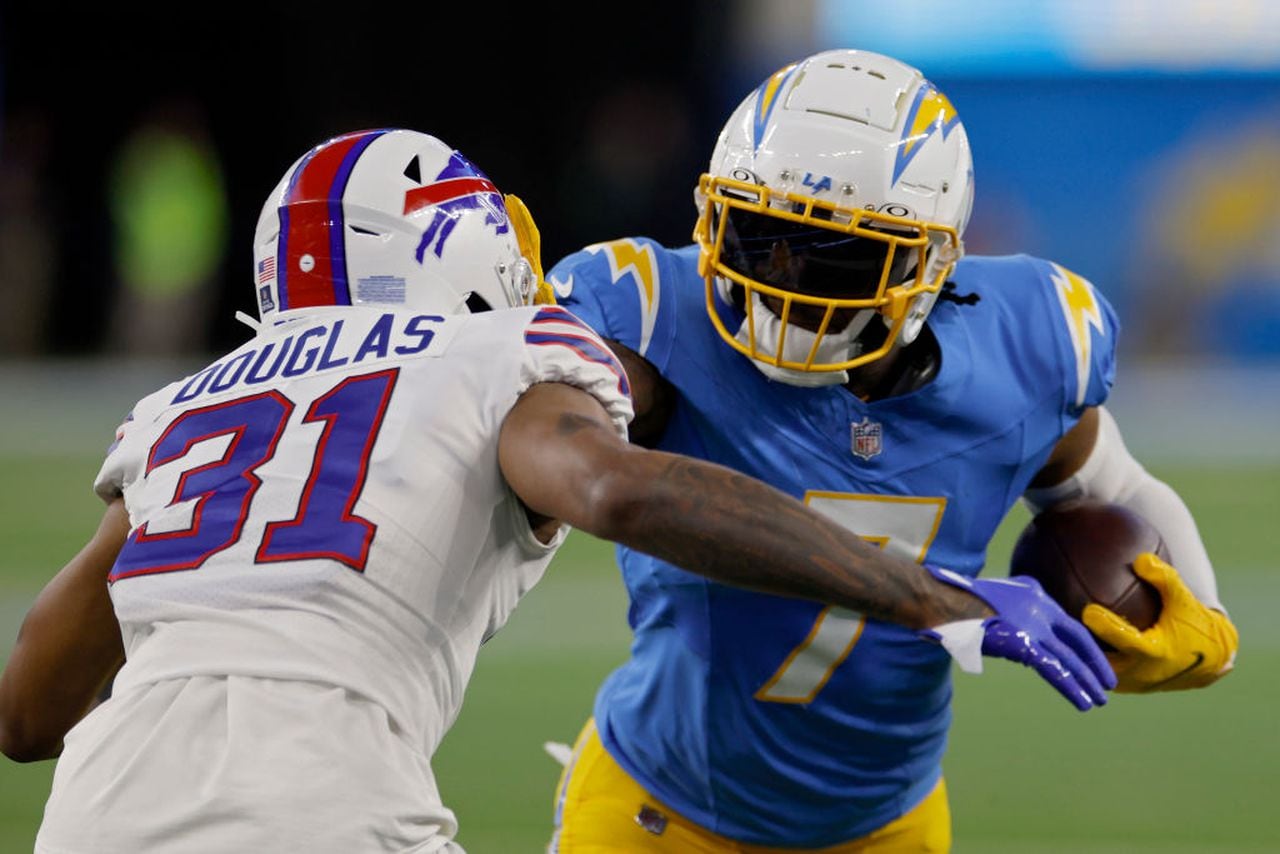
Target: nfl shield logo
(867, 438)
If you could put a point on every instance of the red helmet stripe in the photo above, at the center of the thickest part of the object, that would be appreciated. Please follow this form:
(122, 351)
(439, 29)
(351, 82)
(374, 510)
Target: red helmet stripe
(312, 264)
(443, 191)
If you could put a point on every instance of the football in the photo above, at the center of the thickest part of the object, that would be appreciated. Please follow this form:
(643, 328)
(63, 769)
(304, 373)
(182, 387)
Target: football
(1083, 551)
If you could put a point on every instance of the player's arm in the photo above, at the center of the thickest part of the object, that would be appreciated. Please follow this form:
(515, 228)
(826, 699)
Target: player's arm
(652, 396)
(67, 649)
(1193, 643)
(561, 455)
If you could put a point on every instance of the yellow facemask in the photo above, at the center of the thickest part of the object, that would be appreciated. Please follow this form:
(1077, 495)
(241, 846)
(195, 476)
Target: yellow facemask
(928, 252)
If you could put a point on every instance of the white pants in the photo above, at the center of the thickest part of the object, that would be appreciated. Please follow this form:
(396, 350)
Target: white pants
(238, 764)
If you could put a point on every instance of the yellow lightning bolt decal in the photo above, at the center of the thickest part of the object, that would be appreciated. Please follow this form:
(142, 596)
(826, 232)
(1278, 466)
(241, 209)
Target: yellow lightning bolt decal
(935, 111)
(629, 256)
(930, 113)
(769, 91)
(1080, 308)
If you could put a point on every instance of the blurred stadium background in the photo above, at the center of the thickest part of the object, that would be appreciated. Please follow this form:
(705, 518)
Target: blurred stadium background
(1137, 142)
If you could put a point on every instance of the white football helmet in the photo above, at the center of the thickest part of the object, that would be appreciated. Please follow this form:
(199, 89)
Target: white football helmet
(390, 217)
(838, 190)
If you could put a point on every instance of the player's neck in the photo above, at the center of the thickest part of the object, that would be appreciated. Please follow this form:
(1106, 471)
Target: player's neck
(902, 370)
(867, 381)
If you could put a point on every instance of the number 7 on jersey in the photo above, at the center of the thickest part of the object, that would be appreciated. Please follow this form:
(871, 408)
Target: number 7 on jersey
(905, 526)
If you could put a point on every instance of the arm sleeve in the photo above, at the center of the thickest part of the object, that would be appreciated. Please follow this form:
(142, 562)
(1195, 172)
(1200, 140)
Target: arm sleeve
(114, 473)
(1112, 474)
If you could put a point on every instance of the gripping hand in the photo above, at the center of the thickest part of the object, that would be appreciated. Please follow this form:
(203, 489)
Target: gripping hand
(1190, 645)
(1031, 629)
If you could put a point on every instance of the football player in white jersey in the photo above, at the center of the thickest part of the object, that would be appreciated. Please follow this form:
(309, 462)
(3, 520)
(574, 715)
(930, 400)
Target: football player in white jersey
(307, 541)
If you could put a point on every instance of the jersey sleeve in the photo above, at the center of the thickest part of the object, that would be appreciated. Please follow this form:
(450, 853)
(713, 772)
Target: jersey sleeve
(559, 347)
(121, 459)
(616, 289)
(126, 458)
(1086, 329)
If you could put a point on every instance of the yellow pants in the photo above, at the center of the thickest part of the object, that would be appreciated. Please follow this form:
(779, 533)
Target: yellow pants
(601, 810)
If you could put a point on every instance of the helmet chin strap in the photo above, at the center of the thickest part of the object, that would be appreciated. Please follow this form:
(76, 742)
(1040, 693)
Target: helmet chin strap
(916, 316)
(923, 304)
(834, 346)
(251, 322)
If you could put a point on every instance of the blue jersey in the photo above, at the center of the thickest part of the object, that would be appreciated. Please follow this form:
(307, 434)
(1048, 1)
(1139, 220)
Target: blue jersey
(778, 721)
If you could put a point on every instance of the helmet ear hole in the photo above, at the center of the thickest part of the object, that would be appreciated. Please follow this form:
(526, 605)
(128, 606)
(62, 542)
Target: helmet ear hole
(477, 303)
(413, 171)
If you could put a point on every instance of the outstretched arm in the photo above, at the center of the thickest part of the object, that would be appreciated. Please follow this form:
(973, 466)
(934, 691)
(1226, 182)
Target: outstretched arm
(563, 459)
(68, 648)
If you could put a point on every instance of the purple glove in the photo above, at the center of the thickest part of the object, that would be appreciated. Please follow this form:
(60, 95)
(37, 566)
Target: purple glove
(1031, 629)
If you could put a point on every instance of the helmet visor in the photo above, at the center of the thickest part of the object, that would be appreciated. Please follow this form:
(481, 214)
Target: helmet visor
(808, 259)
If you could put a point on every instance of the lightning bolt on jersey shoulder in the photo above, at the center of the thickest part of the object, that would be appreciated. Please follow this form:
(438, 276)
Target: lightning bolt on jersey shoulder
(1090, 327)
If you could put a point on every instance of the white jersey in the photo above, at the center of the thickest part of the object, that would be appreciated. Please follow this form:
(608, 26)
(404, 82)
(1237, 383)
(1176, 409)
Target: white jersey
(324, 505)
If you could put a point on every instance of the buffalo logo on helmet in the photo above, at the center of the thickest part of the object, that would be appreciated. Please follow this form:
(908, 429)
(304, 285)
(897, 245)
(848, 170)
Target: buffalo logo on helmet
(459, 186)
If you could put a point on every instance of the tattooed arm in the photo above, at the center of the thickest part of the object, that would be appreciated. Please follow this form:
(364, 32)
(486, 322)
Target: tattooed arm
(564, 460)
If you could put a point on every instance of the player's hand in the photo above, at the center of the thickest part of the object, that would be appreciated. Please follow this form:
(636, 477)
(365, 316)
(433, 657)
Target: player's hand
(1029, 628)
(1190, 645)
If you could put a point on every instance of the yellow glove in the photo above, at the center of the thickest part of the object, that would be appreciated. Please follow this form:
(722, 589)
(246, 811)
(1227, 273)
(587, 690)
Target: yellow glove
(1190, 645)
(530, 242)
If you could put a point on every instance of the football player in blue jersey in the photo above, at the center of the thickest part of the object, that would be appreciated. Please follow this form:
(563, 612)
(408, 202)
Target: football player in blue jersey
(826, 334)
